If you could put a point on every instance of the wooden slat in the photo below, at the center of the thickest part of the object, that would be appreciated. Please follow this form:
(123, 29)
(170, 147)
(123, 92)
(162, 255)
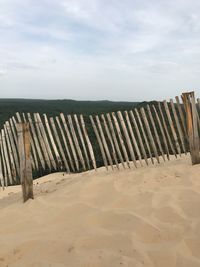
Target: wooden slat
(149, 134)
(46, 142)
(59, 144)
(104, 141)
(133, 137)
(138, 136)
(115, 139)
(88, 142)
(162, 132)
(41, 141)
(144, 135)
(155, 132)
(1, 167)
(166, 130)
(198, 111)
(76, 142)
(99, 142)
(1, 176)
(172, 127)
(198, 119)
(25, 160)
(82, 140)
(36, 141)
(6, 157)
(120, 139)
(181, 115)
(128, 141)
(5, 174)
(18, 117)
(13, 130)
(195, 128)
(20, 121)
(13, 146)
(54, 147)
(178, 125)
(190, 108)
(113, 153)
(65, 143)
(33, 149)
(10, 156)
(198, 102)
(70, 140)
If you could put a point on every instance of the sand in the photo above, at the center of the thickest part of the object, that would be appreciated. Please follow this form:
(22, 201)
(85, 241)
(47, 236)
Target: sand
(148, 216)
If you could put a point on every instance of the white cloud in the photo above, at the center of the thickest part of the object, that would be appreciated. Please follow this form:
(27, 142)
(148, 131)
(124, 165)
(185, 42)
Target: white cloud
(2, 71)
(98, 49)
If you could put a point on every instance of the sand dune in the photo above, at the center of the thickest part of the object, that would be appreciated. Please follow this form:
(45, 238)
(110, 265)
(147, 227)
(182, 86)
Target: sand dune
(148, 216)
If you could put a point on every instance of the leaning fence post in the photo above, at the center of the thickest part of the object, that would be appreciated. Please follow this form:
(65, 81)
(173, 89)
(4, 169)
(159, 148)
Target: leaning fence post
(24, 147)
(192, 128)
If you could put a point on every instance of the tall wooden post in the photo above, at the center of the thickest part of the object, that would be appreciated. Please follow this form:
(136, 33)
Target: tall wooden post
(24, 146)
(192, 126)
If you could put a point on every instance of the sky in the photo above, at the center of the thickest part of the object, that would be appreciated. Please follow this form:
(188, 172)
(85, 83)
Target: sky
(122, 50)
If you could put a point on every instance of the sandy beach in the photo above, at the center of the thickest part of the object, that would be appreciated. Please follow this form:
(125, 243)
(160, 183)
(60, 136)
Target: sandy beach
(148, 216)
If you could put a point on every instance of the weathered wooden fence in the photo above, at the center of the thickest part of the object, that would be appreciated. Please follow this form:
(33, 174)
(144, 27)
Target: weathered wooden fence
(74, 143)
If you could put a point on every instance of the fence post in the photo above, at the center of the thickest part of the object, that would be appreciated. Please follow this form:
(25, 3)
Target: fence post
(192, 126)
(24, 146)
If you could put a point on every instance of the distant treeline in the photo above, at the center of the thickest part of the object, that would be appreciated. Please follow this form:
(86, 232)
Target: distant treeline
(8, 107)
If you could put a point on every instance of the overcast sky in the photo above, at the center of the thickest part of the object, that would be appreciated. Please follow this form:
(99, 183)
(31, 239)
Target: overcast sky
(99, 49)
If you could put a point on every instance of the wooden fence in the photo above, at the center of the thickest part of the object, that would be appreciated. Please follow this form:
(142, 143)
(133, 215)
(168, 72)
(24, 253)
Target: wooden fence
(74, 143)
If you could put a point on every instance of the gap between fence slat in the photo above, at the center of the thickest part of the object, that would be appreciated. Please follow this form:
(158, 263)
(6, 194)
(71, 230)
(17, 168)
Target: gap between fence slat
(119, 134)
(76, 142)
(110, 140)
(65, 143)
(178, 125)
(70, 140)
(172, 127)
(59, 144)
(144, 135)
(155, 132)
(128, 141)
(100, 142)
(54, 147)
(162, 132)
(115, 139)
(166, 130)
(146, 123)
(104, 141)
